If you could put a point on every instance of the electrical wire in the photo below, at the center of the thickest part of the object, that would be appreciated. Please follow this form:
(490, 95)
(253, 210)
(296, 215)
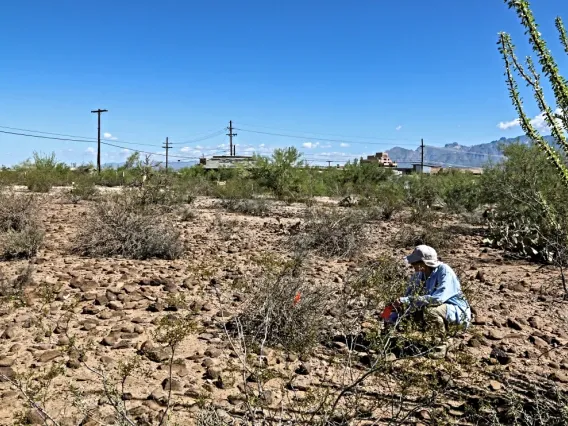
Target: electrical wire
(332, 134)
(82, 138)
(199, 139)
(315, 139)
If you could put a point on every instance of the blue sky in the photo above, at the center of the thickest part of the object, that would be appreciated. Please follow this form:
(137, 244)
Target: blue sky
(384, 72)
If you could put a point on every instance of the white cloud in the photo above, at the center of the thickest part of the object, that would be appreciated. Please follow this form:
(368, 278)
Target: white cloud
(310, 145)
(107, 135)
(90, 150)
(398, 127)
(538, 122)
(504, 125)
(185, 149)
(344, 145)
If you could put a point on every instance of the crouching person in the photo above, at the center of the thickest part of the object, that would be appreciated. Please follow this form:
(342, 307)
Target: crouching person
(434, 294)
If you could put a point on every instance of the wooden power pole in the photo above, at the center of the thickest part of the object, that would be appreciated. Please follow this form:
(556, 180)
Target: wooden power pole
(98, 112)
(231, 134)
(422, 156)
(167, 146)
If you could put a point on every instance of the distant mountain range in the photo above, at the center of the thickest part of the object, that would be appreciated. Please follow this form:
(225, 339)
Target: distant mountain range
(454, 154)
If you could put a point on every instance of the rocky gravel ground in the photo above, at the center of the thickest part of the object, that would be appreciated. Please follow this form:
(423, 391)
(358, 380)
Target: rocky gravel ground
(111, 308)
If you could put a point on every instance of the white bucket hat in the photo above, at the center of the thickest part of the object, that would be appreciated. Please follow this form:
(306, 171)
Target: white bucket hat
(424, 254)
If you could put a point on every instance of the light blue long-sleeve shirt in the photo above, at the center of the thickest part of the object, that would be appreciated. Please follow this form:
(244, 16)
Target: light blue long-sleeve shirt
(441, 287)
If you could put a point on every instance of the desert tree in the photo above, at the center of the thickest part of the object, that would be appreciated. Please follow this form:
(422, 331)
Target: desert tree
(556, 119)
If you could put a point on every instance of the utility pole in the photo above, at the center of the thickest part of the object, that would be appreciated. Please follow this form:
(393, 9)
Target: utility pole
(231, 134)
(98, 112)
(422, 156)
(167, 146)
(328, 163)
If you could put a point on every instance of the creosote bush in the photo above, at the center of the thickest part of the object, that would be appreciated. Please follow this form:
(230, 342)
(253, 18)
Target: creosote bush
(255, 207)
(283, 309)
(409, 237)
(332, 232)
(120, 226)
(20, 233)
(12, 288)
(83, 190)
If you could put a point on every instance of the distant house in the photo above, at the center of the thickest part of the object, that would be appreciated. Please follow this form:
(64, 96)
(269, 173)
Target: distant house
(381, 158)
(409, 168)
(224, 161)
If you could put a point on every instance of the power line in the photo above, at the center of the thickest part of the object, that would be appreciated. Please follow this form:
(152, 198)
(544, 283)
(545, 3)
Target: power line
(316, 139)
(209, 136)
(82, 138)
(332, 134)
(102, 143)
(46, 137)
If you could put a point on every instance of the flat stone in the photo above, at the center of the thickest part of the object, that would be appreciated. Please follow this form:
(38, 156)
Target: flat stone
(559, 376)
(538, 342)
(495, 385)
(110, 340)
(6, 362)
(7, 372)
(495, 334)
(213, 373)
(514, 324)
(115, 305)
(175, 385)
(49, 355)
(9, 333)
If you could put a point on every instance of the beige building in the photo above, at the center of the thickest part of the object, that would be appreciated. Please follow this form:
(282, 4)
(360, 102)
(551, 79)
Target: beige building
(381, 158)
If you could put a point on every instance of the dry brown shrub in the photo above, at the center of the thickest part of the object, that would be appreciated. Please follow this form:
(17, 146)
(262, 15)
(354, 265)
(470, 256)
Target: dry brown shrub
(409, 237)
(20, 233)
(331, 233)
(283, 309)
(120, 226)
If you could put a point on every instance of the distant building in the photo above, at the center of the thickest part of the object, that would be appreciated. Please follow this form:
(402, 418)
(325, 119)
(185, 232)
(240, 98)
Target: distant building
(472, 170)
(409, 168)
(381, 158)
(224, 161)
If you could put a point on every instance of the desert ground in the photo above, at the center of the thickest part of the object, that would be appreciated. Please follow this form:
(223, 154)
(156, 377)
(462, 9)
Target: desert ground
(110, 307)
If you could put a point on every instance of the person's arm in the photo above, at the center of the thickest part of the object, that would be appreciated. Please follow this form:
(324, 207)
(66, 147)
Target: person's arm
(443, 290)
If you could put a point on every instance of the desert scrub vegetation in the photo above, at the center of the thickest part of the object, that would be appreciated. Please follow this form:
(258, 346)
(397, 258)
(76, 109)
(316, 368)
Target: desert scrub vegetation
(410, 236)
(83, 189)
(282, 309)
(20, 232)
(121, 226)
(331, 232)
(12, 287)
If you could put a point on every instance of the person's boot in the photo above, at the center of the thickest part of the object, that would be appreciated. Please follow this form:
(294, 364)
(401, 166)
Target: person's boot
(438, 352)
